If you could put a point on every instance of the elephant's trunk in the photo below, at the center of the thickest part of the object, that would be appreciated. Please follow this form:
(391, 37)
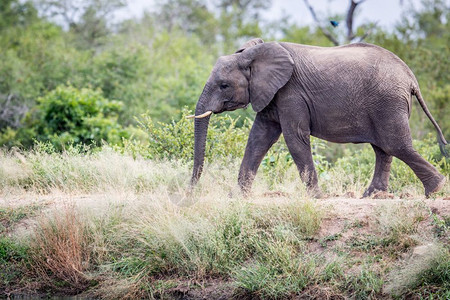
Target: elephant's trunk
(201, 129)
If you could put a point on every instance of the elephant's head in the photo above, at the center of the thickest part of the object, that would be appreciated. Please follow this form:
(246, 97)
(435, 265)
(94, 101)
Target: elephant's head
(253, 75)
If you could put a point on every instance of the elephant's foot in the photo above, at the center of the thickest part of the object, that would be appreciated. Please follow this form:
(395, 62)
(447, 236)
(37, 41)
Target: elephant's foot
(371, 190)
(435, 185)
(238, 193)
(315, 193)
(244, 190)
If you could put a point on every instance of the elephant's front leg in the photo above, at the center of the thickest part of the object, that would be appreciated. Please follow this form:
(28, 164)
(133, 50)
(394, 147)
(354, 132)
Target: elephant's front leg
(298, 142)
(263, 135)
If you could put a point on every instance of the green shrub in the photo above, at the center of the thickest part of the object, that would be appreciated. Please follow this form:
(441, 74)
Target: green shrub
(13, 256)
(68, 115)
(175, 140)
(11, 250)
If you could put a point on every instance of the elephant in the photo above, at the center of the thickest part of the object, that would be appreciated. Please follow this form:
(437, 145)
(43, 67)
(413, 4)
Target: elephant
(356, 93)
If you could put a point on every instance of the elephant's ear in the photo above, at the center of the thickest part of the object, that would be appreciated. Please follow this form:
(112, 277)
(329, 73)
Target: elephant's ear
(271, 67)
(248, 44)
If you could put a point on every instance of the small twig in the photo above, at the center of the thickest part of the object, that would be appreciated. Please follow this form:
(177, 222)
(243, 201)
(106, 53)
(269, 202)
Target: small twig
(368, 32)
(323, 29)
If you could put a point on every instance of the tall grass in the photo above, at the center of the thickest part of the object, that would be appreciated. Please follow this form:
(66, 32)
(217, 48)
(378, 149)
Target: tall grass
(141, 237)
(79, 170)
(125, 227)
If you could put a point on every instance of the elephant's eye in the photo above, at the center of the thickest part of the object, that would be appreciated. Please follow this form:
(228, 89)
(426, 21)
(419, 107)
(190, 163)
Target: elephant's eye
(224, 86)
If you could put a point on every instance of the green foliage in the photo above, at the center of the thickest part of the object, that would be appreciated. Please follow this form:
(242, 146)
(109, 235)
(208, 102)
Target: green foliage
(13, 255)
(67, 115)
(240, 19)
(10, 250)
(159, 80)
(181, 84)
(120, 73)
(190, 16)
(366, 284)
(14, 13)
(175, 140)
(434, 281)
(439, 94)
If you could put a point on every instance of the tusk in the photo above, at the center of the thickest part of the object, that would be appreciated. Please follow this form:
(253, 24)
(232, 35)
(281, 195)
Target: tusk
(204, 115)
(200, 116)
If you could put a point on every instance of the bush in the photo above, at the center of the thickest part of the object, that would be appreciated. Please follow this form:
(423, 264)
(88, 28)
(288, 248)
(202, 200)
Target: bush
(68, 115)
(175, 140)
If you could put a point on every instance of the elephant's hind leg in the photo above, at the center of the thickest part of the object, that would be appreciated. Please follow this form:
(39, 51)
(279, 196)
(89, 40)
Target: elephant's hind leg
(382, 170)
(432, 180)
(394, 138)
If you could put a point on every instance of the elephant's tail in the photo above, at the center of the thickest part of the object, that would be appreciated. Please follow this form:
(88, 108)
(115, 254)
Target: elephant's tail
(441, 139)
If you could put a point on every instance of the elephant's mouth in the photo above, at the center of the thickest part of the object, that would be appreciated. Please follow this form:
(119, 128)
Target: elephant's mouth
(230, 106)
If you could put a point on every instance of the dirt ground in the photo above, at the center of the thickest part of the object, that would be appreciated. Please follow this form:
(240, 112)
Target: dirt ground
(338, 210)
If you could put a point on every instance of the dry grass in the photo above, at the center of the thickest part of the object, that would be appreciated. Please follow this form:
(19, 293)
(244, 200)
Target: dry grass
(60, 249)
(76, 172)
(124, 227)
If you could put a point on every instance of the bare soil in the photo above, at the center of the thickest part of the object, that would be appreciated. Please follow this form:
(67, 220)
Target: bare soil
(340, 211)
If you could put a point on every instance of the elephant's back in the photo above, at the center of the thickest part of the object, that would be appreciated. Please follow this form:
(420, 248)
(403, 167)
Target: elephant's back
(354, 62)
(352, 69)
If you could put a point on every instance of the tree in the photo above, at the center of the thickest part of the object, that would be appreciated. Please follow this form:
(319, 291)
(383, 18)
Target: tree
(15, 13)
(431, 23)
(365, 30)
(87, 19)
(189, 16)
(239, 20)
(23, 48)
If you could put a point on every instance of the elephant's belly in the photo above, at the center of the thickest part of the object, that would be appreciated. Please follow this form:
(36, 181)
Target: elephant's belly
(343, 133)
(355, 139)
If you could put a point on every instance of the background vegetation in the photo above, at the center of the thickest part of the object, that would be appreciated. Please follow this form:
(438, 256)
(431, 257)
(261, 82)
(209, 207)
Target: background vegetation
(159, 63)
(96, 157)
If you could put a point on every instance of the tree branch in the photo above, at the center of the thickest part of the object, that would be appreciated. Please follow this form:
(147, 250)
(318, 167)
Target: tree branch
(368, 32)
(323, 29)
(349, 20)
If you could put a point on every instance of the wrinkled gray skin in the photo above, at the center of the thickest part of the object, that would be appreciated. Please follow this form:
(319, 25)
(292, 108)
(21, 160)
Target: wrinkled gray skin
(358, 93)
